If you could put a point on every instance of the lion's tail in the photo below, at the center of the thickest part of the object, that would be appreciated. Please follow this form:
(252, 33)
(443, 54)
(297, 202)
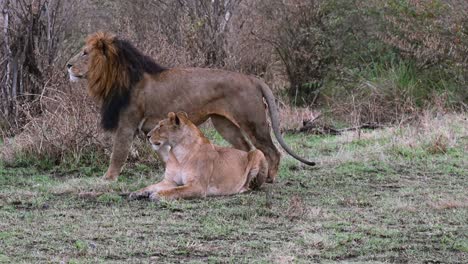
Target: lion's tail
(274, 116)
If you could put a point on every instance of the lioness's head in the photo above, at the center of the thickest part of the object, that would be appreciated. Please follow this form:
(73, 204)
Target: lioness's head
(173, 130)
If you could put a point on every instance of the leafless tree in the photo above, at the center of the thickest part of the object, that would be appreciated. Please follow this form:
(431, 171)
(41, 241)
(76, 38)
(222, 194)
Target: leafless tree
(211, 20)
(301, 42)
(32, 30)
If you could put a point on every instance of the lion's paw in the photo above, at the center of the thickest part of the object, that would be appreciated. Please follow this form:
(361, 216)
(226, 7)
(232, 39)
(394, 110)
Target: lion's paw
(110, 176)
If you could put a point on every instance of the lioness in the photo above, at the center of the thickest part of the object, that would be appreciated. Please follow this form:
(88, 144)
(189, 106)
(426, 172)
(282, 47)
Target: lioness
(197, 168)
(132, 87)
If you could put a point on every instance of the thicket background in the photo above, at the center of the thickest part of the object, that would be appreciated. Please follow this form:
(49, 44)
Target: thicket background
(376, 61)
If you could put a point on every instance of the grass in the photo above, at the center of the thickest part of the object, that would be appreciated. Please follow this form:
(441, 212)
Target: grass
(379, 196)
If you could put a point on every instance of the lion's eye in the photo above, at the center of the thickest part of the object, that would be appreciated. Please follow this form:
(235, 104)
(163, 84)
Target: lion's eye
(84, 53)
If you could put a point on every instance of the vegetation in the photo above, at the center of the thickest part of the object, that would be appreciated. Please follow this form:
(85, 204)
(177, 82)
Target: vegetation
(395, 195)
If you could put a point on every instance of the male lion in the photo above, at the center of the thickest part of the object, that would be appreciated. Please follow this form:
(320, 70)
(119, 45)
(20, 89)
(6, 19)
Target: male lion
(132, 87)
(196, 168)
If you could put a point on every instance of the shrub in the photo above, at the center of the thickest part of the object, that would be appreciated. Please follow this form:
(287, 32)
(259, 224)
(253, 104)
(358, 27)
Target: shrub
(67, 127)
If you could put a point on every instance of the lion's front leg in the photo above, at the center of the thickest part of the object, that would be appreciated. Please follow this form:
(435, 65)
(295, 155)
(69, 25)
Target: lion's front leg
(121, 146)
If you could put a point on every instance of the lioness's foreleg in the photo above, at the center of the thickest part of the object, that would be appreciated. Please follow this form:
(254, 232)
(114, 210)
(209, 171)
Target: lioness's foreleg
(180, 192)
(147, 191)
(122, 142)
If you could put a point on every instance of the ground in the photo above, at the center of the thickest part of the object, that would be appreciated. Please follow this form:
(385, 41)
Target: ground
(396, 195)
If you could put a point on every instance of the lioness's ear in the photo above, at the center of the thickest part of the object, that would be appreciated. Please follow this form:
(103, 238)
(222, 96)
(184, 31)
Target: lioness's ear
(173, 118)
(182, 115)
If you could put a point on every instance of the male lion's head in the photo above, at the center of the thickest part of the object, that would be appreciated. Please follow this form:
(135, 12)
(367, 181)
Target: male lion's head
(174, 130)
(99, 62)
(78, 66)
(112, 66)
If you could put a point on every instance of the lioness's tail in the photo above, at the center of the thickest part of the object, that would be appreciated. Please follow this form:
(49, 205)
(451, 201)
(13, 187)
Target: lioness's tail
(274, 116)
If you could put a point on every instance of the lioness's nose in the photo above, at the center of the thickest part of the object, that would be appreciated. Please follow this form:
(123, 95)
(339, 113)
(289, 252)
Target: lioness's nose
(69, 65)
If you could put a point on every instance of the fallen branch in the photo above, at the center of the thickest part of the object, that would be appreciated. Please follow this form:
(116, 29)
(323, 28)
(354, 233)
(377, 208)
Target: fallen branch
(317, 129)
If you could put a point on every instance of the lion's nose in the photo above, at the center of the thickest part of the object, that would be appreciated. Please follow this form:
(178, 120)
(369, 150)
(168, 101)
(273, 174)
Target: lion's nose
(69, 65)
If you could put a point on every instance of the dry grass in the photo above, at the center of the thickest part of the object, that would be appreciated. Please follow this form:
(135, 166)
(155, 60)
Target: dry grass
(449, 204)
(431, 133)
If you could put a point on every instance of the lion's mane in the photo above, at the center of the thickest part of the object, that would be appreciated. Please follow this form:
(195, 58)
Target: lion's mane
(115, 66)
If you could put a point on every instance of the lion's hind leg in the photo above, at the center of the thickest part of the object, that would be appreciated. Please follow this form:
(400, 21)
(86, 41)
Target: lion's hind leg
(230, 132)
(257, 170)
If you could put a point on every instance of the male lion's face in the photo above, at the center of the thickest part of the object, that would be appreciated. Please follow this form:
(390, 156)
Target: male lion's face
(169, 131)
(78, 65)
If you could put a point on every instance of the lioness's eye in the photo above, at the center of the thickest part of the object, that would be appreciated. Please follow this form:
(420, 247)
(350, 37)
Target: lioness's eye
(85, 53)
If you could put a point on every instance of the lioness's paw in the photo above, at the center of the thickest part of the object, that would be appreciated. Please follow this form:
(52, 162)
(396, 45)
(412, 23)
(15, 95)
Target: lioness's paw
(154, 197)
(138, 195)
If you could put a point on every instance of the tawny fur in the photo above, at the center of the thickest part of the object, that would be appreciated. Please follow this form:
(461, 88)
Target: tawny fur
(196, 168)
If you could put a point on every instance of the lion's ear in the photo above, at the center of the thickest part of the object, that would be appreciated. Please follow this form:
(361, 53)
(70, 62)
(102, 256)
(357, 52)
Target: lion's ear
(105, 43)
(103, 46)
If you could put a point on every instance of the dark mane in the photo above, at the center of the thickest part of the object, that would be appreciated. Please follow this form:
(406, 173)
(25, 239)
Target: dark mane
(135, 64)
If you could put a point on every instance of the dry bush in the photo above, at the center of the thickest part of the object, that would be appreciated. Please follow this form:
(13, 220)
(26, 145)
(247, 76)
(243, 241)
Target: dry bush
(30, 47)
(166, 53)
(196, 29)
(293, 118)
(67, 127)
(300, 41)
(246, 51)
(372, 103)
(431, 32)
